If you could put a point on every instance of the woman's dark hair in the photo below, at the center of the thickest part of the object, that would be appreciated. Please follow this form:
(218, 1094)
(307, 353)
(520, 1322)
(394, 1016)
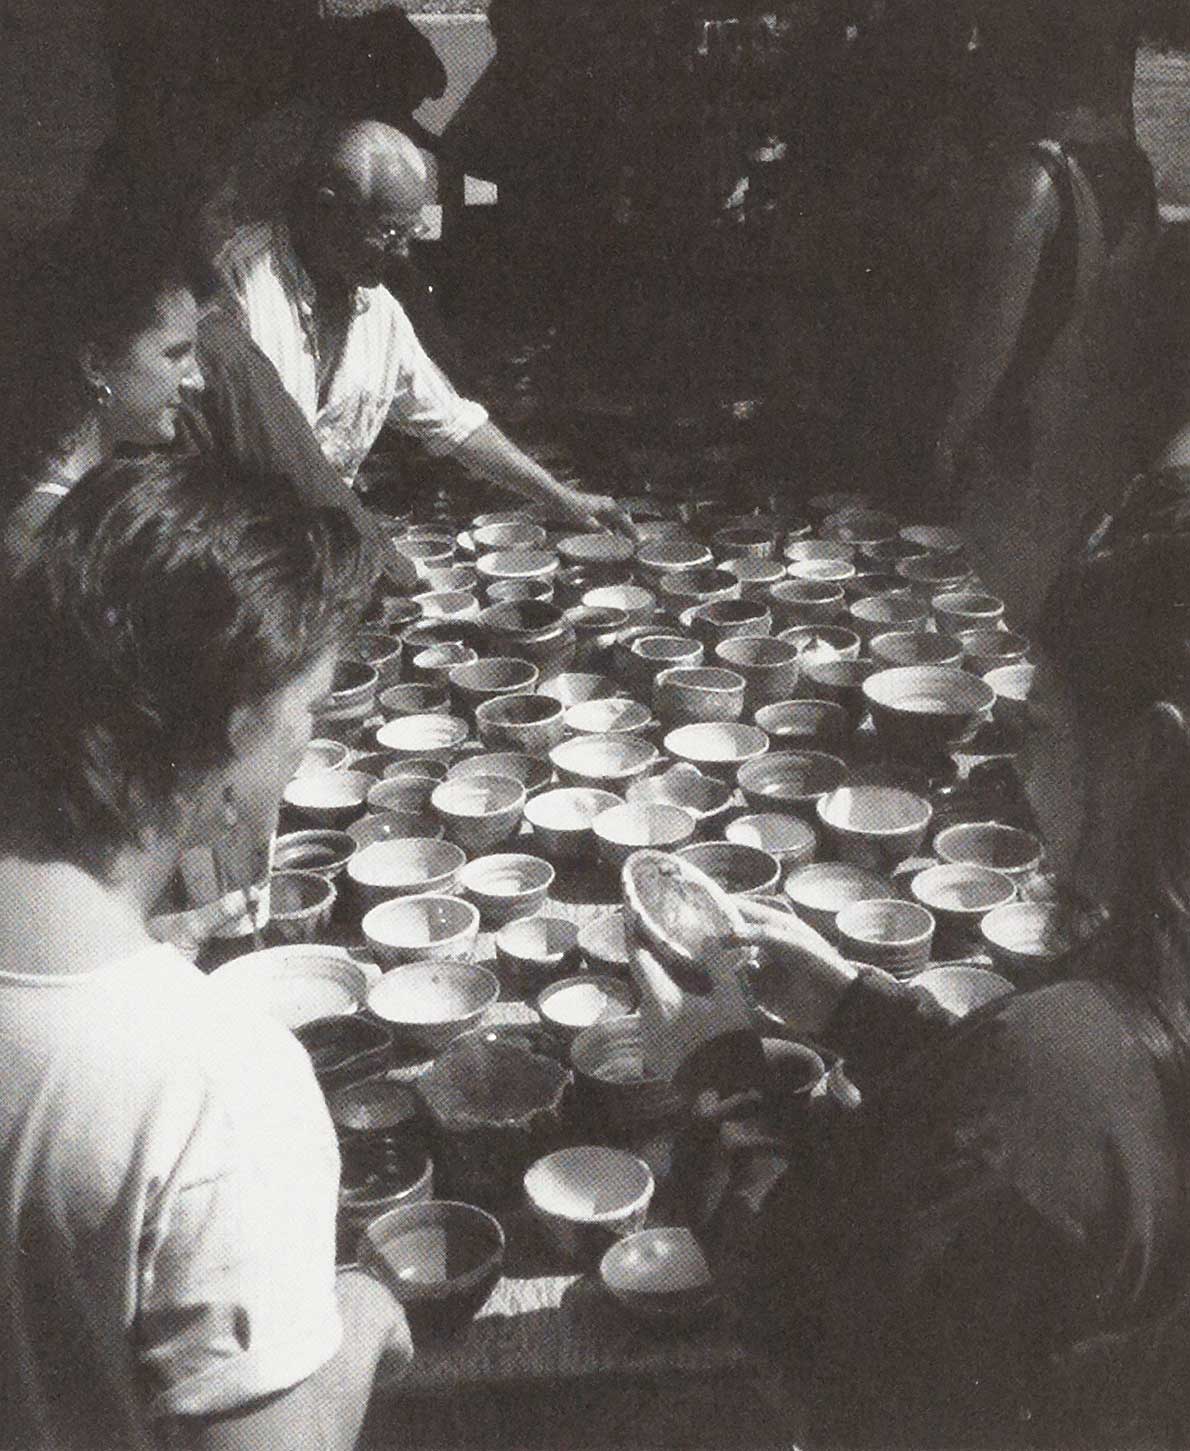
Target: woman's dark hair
(166, 592)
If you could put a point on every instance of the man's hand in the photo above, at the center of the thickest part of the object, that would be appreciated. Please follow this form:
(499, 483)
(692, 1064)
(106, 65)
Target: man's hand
(676, 1023)
(189, 931)
(594, 511)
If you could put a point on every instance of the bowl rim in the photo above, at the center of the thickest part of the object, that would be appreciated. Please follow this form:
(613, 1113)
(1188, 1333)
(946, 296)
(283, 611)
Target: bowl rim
(876, 831)
(981, 695)
(607, 1216)
(626, 1294)
(523, 857)
(1006, 831)
(482, 977)
(455, 855)
(427, 1213)
(395, 904)
(991, 875)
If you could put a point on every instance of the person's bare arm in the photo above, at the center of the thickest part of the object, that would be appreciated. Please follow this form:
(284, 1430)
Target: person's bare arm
(325, 1411)
(1024, 217)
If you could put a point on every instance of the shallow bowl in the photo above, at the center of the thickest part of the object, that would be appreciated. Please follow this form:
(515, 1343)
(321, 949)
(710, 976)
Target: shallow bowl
(791, 780)
(607, 762)
(574, 686)
(728, 620)
(517, 564)
(685, 589)
(961, 987)
(324, 851)
(817, 643)
(808, 724)
(536, 949)
(745, 871)
(883, 613)
(573, 1004)
(508, 534)
(295, 983)
(960, 894)
(415, 698)
(614, 716)
(1007, 849)
(915, 647)
(1025, 939)
(527, 723)
(323, 756)
(820, 891)
(432, 736)
(483, 680)
(615, 1088)
(407, 794)
(672, 555)
(1012, 685)
(413, 929)
(788, 838)
(603, 944)
(637, 603)
(531, 771)
(936, 538)
(706, 798)
(328, 799)
(717, 747)
(448, 604)
(799, 549)
(805, 602)
(685, 695)
(841, 681)
(403, 867)
(345, 1049)
(395, 826)
(960, 610)
(926, 709)
(429, 1003)
(985, 650)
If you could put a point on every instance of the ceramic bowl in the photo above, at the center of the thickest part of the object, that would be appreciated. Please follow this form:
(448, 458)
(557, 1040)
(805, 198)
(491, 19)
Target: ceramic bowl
(426, 554)
(352, 698)
(868, 582)
(821, 890)
(573, 1004)
(403, 867)
(616, 1091)
(328, 799)
(587, 1196)
(441, 1260)
(641, 658)
(372, 763)
(985, 650)
(599, 551)
(860, 526)
(1007, 849)
(480, 812)
(685, 695)
(596, 630)
(659, 1275)
(886, 552)
(791, 781)
(448, 604)
(821, 571)
(295, 983)
(880, 614)
(728, 620)
(505, 885)
(1025, 939)
(414, 929)
(531, 724)
(684, 589)
(637, 603)
(516, 591)
(325, 852)
(535, 950)
(433, 737)
(770, 667)
(377, 1180)
(484, 680)
(1012, 685)
(840, 681)
(429, 1003)
(922, 710)
(800, 549)
(672, 555)
(966, 610)
(623, 829)
(887, 932)
(961, 987)
(323, 756)
(936, 538)
(603, 944)
(744, 871)
(345, 1049)
(395, 826)
(300, 906)
(433, 663)
(407, 794)
(417, 768)
(562, 820)
(744, 541)
(572, 687)
(756, 576)
(936, 574)
(788, 838)
(532, 772)
(804, 724)
(874, 826)
(616, 716)
(517, 564)
(915, 647)
(718, 748)
(706, 798)
(607, 763)
(960, 895)
(416, 698)
(819, 643)
(806, 602)
(510, 534)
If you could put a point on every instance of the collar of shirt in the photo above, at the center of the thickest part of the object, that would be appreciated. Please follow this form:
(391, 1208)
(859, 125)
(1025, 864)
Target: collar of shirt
(300, 284)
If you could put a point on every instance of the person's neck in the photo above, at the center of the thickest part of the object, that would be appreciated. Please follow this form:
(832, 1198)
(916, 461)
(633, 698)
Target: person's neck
(332, 291)
(85, 450)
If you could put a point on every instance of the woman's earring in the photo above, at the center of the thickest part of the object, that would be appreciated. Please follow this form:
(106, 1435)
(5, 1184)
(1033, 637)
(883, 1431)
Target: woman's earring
(103, 393)
(231, 814)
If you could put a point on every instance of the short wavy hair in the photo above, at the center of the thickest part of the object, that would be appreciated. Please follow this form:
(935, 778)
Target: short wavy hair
(165, 593)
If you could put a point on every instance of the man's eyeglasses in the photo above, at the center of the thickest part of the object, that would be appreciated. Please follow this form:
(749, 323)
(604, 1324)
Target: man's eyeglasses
(380, 232)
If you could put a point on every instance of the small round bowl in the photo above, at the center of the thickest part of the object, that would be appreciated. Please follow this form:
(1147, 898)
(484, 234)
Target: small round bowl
(706, 798)
(924, 710)
(791, 780)
(935, 538)
(641, 658)
(685, 695)
(599, 551)
(603, 944)
(874, 826)
(532, 772)
(573, 1004)
(804, 724)
(770, 667)
(607, 763)
(623, 829)
(527, 723)
(756, 576)
(637, 603)
(513, 591)
(617, 715)
(395, 826)
(433, 736)
(741, 871)
(883, 613)
(821, 890)
(511, 534)
(1012, 685)
(728, 620)
(506, 885)
(806, 602)
(819, 643)
(887, 932)
(426, 554)
(574, 686)
(484, 680)
(429, 1003)
(1007, 849)
(718, 747)
(966, 610)
(960, 895)
(324, 852)
(403, 868)
(659, 1275)
(935, 574)
(841, 681)
(562, 820)
(417, 698)
(789, 839)
(409, 795)
(535, 950)
(517, 564)
(615, 1089)
(1025, 939)
(672, 555)
(821, 571)
(915, 647)
(352, 698)
(685, 589)
(414, 929)
(323, 756)
(479, 812)
(800, 549)
(744, 541)
(586, 1197)
(985, 650)
(300, 906)
(447, 604)
(328, 798)
(417, 768)
(961, 987)
(868, 582)
(860, 526)
(440, 1259)
(433, 663)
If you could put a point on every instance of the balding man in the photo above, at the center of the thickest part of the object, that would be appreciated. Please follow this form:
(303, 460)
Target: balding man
(308, 285)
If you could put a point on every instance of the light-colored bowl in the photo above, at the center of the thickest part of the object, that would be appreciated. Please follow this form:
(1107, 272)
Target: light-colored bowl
(618, 1091)
(640, 657)
(822, 571)
(573, 1004)
(730, 619)
(615, 716)
(328, 799)
(672, 555)
(684, 589)
(414, 929)
(295, 983)
(985, 650)
(961, 987)
(718, 747)
(604, 944)
(841, 681)
(788, 838)
(791, 780)
(926, 709)
(706, 798)
(1012, 685)
(300, 906)
(823, 642)
(1007, 849)
(806, 602)
(527, 723)
(597, 551)
(915, 647)
(510, 534)
(433, 736)
(887, 932)
(960, 894)
(659, 1275)
(484, 680)
(510, 591)
(800, 549)
(623, 829)
(417, 768)
(433, 663)
(685, 695)
(517, 564)
(770, 667)
(607, 763)
(415, 698)
(409, 795)
(756, 576)
(741, 871)
(1025, 939)
(739, 541)
(323, 756)
(531, 771)
(403, 867)
(480, 812)
(874, 826)
(562, 820)
(448, 604)
(816, 725)
(429, 1003)
(574, 686)
(537, 949)
(326, 852)
(966, 610)
(639, 604)
(505, 885)
(395, 826)
(820, 891)
(883, 613)
(586, 1197)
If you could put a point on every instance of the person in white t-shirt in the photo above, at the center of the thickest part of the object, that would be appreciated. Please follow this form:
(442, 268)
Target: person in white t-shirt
(308, 286)
(168, 1170)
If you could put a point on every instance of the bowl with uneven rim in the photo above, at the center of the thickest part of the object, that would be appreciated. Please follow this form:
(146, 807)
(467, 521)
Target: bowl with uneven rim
(321, 850)
(936, 538)
(642, 658)
(935, 574)
(881, 614)
(607, 762)
(887, 932)
(673, 554)
(330, 799)
(800, 549)
(806, 602)
(420, 928)
(727, 619)
(687, 694)
(448, 604)
(587, 1196)
(537, 949)
(562, 819)
(770, 667)
(432, 736)
(915, 647)
(574, 686)
(1008, 849)
(638, 604)
(506, 885)
(788, 838)
(707, 798)
(823, 642)
(927, 709)
(417, 768)
(623, 829)
(517, 564)
(661, 1276)
(1025, 939)
(740, 870)
(603, 943)
(961, 987)
(860, 526)
(601, 549)
(815, 725)
(793, 781)
(322, 755)
(423, 697)
(960, 894)
(531, 771)
(965, 609)
(480, 812)
(719, 748)
(985, 650)
(618, 715)
(523, 723)
(573, 1004)
(508, 534)
(874, 826)
(395, 826)
(820, 890)
(403, 867)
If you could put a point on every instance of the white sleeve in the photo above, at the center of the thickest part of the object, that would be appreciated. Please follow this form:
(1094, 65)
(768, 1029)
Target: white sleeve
(426, 404)
(236, 1298)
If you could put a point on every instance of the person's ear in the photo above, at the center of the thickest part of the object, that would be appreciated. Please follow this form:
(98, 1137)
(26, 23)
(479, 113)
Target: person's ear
(92, 366)
(1169, 738)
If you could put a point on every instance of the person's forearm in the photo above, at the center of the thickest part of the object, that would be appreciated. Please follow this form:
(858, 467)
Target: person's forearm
(491, 455)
